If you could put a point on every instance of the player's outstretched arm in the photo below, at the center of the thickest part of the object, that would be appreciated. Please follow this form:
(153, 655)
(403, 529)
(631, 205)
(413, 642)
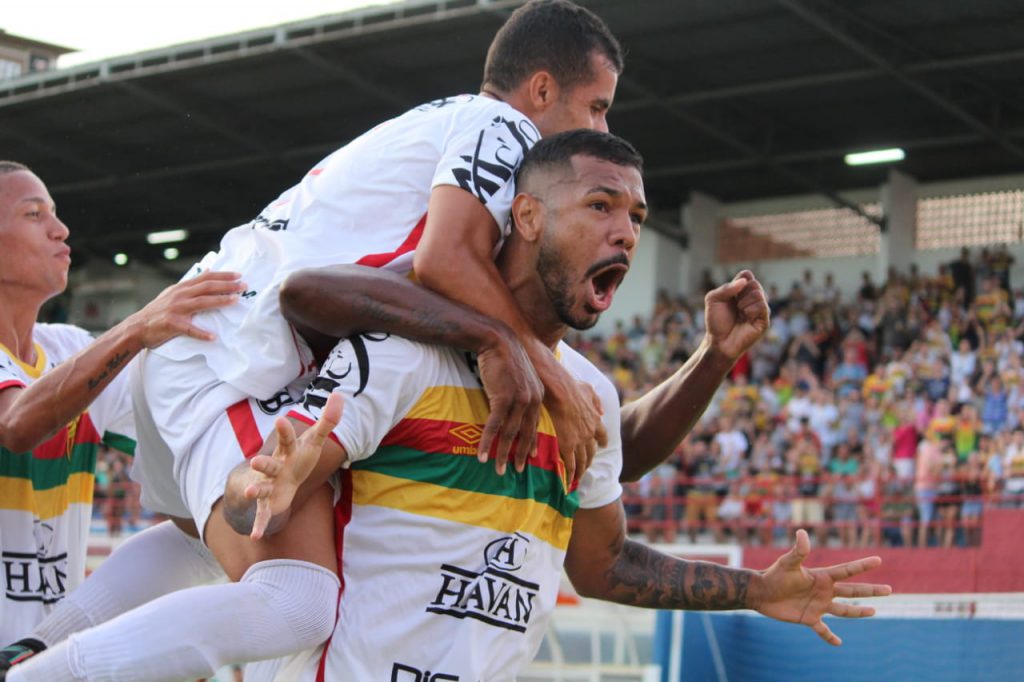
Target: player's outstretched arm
(736, 315)
(603, 564)
(29, 416)
(297, 459)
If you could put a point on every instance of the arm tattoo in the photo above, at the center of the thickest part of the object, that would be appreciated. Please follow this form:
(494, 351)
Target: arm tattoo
(644, 577)
(422, 324)
(113, 366)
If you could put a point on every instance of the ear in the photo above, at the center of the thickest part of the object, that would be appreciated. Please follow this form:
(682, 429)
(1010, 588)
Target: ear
(527, 217)
(542, 90)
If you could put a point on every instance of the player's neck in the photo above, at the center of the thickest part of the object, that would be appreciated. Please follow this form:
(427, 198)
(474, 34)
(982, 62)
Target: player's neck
(520, 275)
(16, 323)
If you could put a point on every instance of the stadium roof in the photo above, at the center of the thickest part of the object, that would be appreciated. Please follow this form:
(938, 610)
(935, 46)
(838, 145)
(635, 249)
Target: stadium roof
(735, 98)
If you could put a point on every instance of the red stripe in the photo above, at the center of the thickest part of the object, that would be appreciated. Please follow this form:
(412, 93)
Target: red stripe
(12, 382)
(342, 517)
(57, 446)
(244, 424)
(379, 260)
(435, 435)
(306, 419)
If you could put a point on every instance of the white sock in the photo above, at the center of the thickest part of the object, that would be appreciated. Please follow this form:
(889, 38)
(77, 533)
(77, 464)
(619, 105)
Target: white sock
(158, 560)
(279, 608)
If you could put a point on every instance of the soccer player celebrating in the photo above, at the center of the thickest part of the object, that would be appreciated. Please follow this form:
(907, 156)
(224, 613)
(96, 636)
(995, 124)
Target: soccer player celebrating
(447, 565)
(427, 189)
(62, 394)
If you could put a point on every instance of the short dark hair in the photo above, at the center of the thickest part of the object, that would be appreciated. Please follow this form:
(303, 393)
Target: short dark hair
(552, 35)
(12, 167)
(558, 150)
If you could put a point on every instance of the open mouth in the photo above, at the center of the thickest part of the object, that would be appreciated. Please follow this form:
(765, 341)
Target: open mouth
(603, 284)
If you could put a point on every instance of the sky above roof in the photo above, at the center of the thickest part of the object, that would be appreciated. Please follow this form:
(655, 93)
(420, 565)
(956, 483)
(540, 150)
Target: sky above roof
(107, 28)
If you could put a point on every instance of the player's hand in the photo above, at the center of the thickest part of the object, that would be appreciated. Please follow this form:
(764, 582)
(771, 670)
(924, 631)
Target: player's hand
(276, 477)
(514, 393)
(170, 314)
(790, 592)
(736, 315)
(576, 411)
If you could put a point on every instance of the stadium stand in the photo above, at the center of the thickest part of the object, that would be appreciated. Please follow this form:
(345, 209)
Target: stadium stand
(738, 108)
(892, 414)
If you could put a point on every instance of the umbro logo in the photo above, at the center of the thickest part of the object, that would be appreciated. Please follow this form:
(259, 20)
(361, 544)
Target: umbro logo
(470, 434)
(466, 438)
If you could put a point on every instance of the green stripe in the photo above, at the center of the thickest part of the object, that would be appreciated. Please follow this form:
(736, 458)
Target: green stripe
(463, 472)
(48, 473)
(119, 442)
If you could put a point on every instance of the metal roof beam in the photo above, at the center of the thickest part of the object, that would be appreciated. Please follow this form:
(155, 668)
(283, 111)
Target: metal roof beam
(853, 32)
(724, 165)
(193, 115)
(349, 76)
(719, 132)
(823, 80)
(51, 150)
(164, 172)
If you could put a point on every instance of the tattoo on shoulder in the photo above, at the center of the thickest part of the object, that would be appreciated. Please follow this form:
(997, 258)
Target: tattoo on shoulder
(112, 367)
(645, 577)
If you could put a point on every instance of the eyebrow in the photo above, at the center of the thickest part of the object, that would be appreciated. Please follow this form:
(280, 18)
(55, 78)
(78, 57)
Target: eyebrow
(603, 189)
(37, 200)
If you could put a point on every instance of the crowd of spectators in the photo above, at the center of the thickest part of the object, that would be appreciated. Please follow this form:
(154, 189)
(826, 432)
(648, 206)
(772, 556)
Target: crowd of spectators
(115, 495)
(892, 414)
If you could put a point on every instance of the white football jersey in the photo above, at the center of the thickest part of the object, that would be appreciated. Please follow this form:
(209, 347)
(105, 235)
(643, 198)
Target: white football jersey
(365, 203)
(46, 495)
(445, 566)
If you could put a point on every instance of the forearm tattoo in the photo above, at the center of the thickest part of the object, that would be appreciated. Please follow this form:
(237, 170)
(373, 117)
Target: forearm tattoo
(113, 365)
(643, 577)
(418, 323)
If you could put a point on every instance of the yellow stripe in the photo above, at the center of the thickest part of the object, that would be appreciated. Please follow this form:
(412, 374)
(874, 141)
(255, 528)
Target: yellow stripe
(465, 405)
(496, 512)
(33, 371)
(17, 493)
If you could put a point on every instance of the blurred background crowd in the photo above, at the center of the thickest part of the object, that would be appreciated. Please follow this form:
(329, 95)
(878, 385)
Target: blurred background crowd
(892, 414)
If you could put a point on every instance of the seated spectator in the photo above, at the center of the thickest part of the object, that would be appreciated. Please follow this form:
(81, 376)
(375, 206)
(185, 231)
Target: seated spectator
(848, 377)
(869, 503)
(1013, 471)
(660, 513)
(972, 486)
(844, 497)
(730, 514)
(948, 495)
(702, 496)
(994, 408)
(897, 509)
(926, 484)
(804, 460)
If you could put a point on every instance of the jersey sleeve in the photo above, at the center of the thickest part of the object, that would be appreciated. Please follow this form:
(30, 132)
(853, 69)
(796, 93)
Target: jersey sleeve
(600, 484)
(483, 160)
(379, 377)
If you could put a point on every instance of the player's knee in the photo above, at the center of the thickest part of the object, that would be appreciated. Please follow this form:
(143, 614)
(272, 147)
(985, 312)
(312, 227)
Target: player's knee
(304, 594)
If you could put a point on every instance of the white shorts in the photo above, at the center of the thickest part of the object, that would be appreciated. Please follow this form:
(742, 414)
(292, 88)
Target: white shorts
(192, 430)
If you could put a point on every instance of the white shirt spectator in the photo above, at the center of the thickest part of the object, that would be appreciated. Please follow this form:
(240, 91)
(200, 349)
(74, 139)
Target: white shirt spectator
(962, 366)
(732, 446)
